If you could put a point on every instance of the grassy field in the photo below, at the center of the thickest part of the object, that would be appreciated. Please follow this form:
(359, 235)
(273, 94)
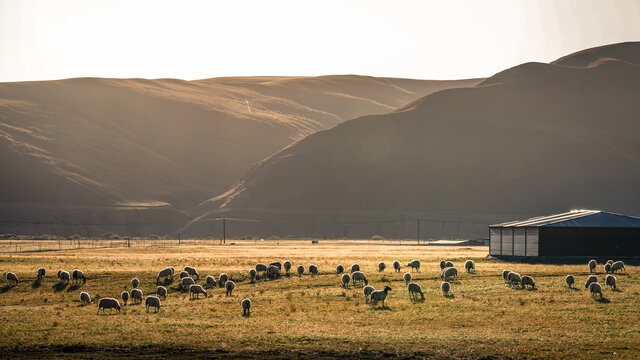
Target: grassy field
(314, 316)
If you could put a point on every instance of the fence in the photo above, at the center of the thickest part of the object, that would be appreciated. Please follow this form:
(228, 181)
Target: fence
(15, 246)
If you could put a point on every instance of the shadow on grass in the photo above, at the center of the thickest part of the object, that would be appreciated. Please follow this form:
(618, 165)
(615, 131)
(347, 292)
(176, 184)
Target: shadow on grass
(5, 288)
(73, 287)
(381, 308)
(616, 290)
(36, 284)
(574, 289)
(59, 286)
(417, 300)
(450, 296)
(603, 300)
(246, 315)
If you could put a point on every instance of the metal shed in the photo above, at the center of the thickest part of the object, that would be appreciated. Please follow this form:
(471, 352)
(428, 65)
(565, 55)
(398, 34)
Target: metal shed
(574, 233)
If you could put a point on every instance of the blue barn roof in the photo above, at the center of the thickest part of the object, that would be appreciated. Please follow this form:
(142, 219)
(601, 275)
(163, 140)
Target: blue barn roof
(578, 218)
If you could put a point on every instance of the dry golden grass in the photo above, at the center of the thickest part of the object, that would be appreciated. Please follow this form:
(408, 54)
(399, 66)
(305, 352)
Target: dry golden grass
(314, 316)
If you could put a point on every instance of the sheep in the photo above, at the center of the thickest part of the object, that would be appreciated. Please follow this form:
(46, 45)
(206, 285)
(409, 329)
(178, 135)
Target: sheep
(528, 280)
(610, 262)
(414, 264)
(592, 265)
(135, 283)
(415, 289)
(183, 274)
(223, 278)
(313, 269)
(210, 281)
(136, 296)
(618, 265)
(469, 265)
(443, 264)
(261, 268)
(339, 269)
(505, 276)
(276, 263)
(85, 299)
(252, 275)
(610, 281)
(186, 282)
(607, 268)
(196, 290)
(595, 288)
(152, 301)
(359, 276)
(445, 287)
(64, 276)
(570, 280)
(77, 275)
(165, 273)
(273, 271)
(41, 273)
(396, 265)
(125, 297)
(108, 303)
(449, 272)
(60, 273)
(161, 291)
(192, 271)
(246, 307)
(354, 268)
(346, 279)
(381, 266)
(407, 277)
(300, 270)
(229, 286)
(448, 264)
(367, 290)
(379, 295)
(590, 279)
(287, 266)
(514, 279)
(12, 278)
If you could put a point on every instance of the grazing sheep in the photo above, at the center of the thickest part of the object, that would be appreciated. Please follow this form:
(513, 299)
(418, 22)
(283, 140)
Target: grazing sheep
(449, 273)
(381, 266)
(610, 281)
(359, 276)
(354, 268)
(273, 271)
(595, 288)
(367, 290)
(192, 272)
(445, 287)
(136, 296)
(64, 276)
(528, 280)
(339, 269)
(396, 265)
(85, 299)
(469, 265)
(313, 269)
(300, 270)
(229, 286)
(78, 275)
(287, 266)
(60, 273)
(414, 264)
(407, 277)
(276, 263)
(505, 276)
(183, 274)
(590, 279)
(197, 290)
(618, 265)
(165, 273)
(592, 265)
(443, 264)
(125, 297)
(379, 295)
(161, 291)
(448, 264)
(12, 278)
(252, 275)
(108, 303)
(570, 280)
(186, 282)
(152, 301)
(514, 279)
(135, 283)
(246, 307)
(415, 289)
(610, 262)
(210, 281)
(41, 273)
(346, 278)
(261, 268)
(607, 268)
(223, 278)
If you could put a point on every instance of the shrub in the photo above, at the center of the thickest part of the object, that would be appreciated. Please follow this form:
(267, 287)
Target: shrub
(74, 237)
(377, 237)
(111, 236)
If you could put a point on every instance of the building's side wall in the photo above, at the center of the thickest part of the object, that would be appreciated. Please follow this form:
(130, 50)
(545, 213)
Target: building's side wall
(532, 241)
(519, 241)
(597, 242)
(507, 241)
(494, 241)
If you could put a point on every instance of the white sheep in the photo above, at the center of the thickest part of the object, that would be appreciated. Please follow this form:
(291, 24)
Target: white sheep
(354, 268)
(379, 295)
(125, 297)
(396, 266)
(381, 266)
(346, 278)
(407, 277)
(415, 289)
(592, 265)
(469, 265)
(610, 262)
(12, 278)
(223, 278)
(313, 269)
(610, 281)
(41, 273)
(108, 303)
(339, 269)
(367, 290)
(590, 279)
(595, 288)
(196, 290)
(449, 273)
(64, 276)
(618, 265)
(229, 286)
(85, 299)
(165, 273)
(183, 274)
(443, 264)
(252, 275)
(210, 281)
(359, 276)
(186, 282)
(287, 266)
(192, 272)
(273, 271)
(505, 276)
(570, 280)
(277, 264)
(449, 264)
(414, 264)
(246, 307)
(152, 301)
(135, 283)
(528, 280)
(607, 268)
(161, 291)
(514, 279)
(445, 287)
(261, 268)
(136, 296)
(300, 270)
(78, 275)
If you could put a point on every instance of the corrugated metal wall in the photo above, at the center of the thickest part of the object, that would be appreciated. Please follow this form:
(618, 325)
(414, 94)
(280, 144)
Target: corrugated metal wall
(518, 241)
(494, 244)
(532, 241)
(507, 241)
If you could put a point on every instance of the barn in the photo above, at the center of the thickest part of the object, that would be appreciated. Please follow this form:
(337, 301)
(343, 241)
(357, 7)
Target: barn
(574, 233)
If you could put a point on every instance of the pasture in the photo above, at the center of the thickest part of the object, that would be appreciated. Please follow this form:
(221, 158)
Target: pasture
(313, 316)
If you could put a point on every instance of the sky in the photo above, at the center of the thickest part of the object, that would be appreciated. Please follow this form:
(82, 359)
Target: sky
(44, 40)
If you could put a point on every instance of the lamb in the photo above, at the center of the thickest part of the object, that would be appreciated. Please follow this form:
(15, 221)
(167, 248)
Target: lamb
(381, 266)
(186, 282)
(610, 281)
(196, 290)
(12, 278)
(313, 269)
(273, 271)
(607, 268)
(359, 276)
(64, 276)
(183, 274)
(514, 278)
(367, 290)
(448, 264)
(152, 301)
(229, 286)
(192, 271)
(443, 264)
(346, 278)
(379, 295)
(618, 265)
(41, 273)
(161, 291)
(165, 273)
(135, 283)
(414, 264)
(415, 289)
(449, 273)
(528, 280)
(570, 280)
(590, 279)
(407, 277)
(505, 276)
(595, 288)
(287, 266)
(108, 303)
(469, 265)
(261, 268)
(210, 281)
(78, 275)
(136, 296)
(300, 270)
(276, 263)
(125, 297)
(223, 278)
(85, 299)
(252, 275)
(339, 269)
(396, 265)
(354, 268)
(592, 265)
(246, 307)
(445, 287)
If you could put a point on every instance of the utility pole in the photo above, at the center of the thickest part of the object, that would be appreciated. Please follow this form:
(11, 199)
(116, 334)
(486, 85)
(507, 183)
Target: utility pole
(224, 231)
(418, 231)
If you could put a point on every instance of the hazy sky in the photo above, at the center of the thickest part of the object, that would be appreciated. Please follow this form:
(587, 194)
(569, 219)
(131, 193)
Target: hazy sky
(200, 39)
